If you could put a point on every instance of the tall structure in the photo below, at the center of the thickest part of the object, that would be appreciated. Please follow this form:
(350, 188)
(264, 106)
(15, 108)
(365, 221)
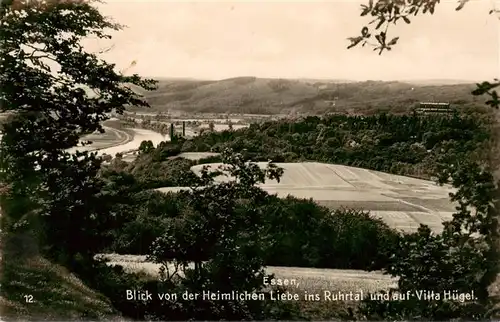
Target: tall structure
(172, 131)
(292, 116)
(183, 128)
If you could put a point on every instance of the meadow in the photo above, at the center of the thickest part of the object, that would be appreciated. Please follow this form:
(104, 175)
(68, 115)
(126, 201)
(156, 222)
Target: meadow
(312, 280)
(402, 202)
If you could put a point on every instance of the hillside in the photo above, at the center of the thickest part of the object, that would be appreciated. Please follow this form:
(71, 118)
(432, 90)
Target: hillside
(33, 288)
(403, 203)
(274, 96)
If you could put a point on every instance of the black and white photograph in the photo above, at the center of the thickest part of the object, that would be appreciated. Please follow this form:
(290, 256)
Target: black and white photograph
(333, 160)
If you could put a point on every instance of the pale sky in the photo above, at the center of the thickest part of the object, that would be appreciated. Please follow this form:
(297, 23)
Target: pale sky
(285, 39)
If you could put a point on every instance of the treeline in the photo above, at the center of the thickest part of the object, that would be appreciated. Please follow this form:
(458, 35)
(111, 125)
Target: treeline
(279, 96)
(411, 145)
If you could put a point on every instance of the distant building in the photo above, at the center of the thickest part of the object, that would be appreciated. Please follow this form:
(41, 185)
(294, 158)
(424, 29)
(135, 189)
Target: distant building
(433, 108)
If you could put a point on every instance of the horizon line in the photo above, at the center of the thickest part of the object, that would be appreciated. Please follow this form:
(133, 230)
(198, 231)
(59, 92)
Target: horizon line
(444, 80)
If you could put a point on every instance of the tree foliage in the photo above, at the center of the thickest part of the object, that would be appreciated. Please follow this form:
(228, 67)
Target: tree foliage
(146, 146)
(464, 257)
(304, 234)
(411, 145)
(225, 245)
(57, 92)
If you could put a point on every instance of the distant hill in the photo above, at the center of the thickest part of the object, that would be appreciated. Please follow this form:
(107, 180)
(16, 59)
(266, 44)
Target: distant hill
(438, 81)
(278, 96)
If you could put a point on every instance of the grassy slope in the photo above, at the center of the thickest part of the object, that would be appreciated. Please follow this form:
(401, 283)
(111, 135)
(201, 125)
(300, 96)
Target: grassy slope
(57, 294)
(260, 95)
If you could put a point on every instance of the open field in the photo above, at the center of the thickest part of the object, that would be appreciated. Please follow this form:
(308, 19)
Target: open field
(216, 120)
(179, 116)
(223, 127)
(194, 129)
(112, 137)
(139, 136)
(117, 140)
(402, 202)
(310, 279)
(196, 155)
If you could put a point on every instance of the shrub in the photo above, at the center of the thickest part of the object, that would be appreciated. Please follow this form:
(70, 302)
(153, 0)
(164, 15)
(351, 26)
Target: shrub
(303, 233)
(307, 234)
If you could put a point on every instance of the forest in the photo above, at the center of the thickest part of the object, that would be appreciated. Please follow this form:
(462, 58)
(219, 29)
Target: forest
(410, 145)
(254, 95)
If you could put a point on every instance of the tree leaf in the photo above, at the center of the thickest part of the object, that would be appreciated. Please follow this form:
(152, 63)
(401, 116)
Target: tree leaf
(484, 87)
(382, 35)
(461, 4)
(365, 10)
(364, 31)
(393, 41)
(354, 41)
(380, 23)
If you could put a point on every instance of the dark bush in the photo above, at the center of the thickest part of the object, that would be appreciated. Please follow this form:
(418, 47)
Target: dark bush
(304, 233)
(309, 235)
(210, 159)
